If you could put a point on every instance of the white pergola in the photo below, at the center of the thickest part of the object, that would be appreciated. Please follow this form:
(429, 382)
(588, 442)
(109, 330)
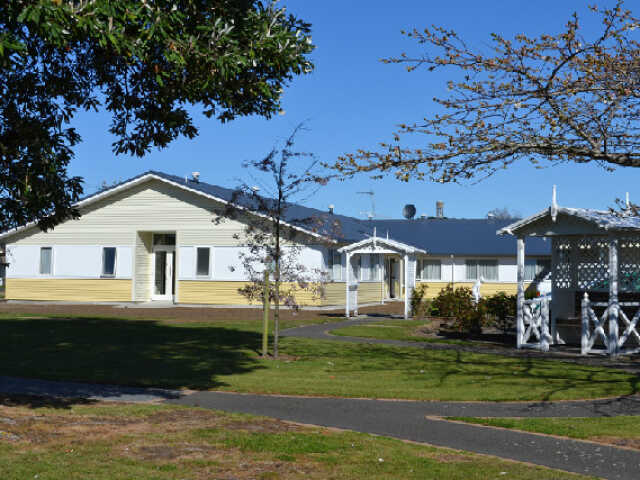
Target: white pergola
(594, 253)
(381, 246)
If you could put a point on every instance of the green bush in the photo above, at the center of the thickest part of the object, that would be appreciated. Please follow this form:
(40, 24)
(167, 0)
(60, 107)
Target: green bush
(420, 306)
(458, 303)
(502, 310)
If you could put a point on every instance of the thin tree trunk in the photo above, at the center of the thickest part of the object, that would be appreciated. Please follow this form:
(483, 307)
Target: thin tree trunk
(276, 295)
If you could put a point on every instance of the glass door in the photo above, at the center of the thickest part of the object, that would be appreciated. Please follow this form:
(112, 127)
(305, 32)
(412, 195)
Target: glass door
(163, 263)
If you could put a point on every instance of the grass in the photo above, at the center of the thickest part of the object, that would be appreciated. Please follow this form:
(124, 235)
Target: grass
(620, 430)
(111, 441)
(406, 330)
(224, 355)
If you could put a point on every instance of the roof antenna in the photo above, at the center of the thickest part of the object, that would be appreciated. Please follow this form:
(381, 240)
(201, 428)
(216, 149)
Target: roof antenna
(554, 204)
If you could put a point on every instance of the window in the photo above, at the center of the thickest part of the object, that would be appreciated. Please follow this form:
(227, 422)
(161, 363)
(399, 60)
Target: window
(357, 265)
(536, 269)
(485, 269)
(375, 268)
(365, 267)
(164, 238)
(335, 265)
(109, 262)
(203, 261)
(46, 260)
(430, 269)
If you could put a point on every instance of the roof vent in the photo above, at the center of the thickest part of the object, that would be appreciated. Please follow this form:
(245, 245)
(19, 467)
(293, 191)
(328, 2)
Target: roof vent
(409, 211)
(331, 209)
(195, 177)
(439, 209)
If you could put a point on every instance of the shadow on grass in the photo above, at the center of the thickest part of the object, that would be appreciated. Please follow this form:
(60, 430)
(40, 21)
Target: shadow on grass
(30, 401)
(125, 352)
(450, 374)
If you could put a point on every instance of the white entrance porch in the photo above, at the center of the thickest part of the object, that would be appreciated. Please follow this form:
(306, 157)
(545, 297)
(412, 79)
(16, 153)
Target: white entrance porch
(398, 257)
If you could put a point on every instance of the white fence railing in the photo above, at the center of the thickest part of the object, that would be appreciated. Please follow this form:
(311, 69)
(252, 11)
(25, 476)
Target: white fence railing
(533, 324)
(606, 327)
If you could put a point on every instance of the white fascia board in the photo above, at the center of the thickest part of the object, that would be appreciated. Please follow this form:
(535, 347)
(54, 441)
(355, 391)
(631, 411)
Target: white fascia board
(392, 244)
(510, 229)
(152, 176)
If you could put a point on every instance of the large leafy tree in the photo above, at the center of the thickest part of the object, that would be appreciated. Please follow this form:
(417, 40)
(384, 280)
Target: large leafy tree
(144, 61)
(566, 97)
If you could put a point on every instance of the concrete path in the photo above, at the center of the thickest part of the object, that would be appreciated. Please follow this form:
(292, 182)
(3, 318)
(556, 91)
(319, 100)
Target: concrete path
(88, 391)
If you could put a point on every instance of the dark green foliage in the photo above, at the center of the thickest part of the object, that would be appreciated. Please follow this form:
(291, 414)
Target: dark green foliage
(143, 62)
(502, 310)
(458, 303)
(420, 306)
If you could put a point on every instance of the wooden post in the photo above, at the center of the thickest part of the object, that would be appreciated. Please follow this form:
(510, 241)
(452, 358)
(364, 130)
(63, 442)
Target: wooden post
(347, 274)
(406, 286)
(520, 298)
(265, 314)
(585, 325)
(544, 327)
(613, 296)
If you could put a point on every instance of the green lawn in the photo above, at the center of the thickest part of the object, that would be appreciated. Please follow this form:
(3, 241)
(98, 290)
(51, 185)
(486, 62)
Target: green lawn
(225, 357)
(393, 330)
(618, 430)
(110, 441)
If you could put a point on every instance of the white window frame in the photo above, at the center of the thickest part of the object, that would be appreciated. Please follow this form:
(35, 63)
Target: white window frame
(477, 261)
(365, 272)
(195, 262)
(374, 265)
(115, 262)
(50, 274)
(537, 262)
(429, 260)
(332, 253)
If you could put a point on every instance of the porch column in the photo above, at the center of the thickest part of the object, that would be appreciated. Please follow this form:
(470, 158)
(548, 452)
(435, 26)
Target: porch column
(406, 286)
(520, 298)
(346, 276)
(613, 295)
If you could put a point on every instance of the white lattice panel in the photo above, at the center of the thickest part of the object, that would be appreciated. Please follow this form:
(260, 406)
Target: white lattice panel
(629, 264)
(561, 271)
(592, 263)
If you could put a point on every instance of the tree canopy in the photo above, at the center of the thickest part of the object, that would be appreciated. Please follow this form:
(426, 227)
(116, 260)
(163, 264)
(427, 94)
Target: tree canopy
(545, 99)
(144, 61)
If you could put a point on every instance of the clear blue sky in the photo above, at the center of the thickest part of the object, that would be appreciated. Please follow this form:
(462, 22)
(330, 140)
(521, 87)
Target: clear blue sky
(353, 101)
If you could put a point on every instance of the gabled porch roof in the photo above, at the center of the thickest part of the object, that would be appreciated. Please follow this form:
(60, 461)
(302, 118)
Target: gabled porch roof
(380, 245)
(555, 221)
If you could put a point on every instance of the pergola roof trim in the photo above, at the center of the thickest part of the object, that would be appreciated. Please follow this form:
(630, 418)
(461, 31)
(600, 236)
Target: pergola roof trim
(601, 219)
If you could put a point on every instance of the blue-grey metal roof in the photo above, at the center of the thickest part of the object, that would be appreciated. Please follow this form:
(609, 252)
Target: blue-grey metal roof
(438, 236)
(458, 236)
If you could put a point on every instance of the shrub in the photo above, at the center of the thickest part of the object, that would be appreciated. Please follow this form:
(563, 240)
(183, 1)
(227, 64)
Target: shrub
(420, 306)
(502, 308)
(458, 303)
(453, 303)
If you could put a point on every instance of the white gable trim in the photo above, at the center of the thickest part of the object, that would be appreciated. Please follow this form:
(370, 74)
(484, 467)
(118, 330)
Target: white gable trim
(152, 176)
(380, 245)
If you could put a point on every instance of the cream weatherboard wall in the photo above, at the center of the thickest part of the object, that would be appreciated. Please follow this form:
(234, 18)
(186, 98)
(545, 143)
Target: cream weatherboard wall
(127, 220)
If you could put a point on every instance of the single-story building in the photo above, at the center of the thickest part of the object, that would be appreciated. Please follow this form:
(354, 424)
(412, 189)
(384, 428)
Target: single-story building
(152, 238)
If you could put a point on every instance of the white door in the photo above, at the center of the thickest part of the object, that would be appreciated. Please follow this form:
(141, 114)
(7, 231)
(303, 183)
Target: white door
(163, 268)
